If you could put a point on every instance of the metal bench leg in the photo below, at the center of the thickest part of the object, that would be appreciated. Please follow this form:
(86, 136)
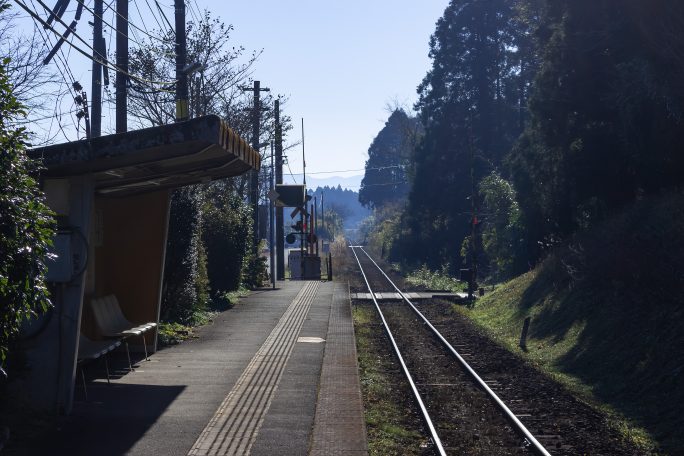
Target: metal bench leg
(147, 358)
(128, 353)
(106, 361)
(85, 389)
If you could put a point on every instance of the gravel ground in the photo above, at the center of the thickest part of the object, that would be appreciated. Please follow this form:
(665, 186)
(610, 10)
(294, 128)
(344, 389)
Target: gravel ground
(467, 421)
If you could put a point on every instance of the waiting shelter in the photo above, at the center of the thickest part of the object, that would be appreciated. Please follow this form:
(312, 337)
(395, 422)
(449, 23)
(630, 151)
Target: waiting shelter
(111, 198)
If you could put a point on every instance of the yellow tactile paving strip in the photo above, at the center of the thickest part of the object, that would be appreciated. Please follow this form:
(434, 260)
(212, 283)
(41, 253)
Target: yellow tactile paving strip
(236, 423)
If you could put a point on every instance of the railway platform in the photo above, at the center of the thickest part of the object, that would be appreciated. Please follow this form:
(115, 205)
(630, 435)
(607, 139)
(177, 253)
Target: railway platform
(275, 375)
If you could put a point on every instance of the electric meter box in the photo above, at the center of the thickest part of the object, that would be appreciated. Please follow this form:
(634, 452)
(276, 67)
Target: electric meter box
(60, 268)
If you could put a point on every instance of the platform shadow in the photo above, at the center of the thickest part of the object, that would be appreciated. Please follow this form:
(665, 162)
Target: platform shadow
(113, 419)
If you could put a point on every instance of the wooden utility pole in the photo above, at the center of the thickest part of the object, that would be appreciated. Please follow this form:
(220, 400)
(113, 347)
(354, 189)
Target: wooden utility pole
(254, 174)
(96, 80)
(472, 285)
(271, 230)
(122, 65)
(280, 229)
(182, 112)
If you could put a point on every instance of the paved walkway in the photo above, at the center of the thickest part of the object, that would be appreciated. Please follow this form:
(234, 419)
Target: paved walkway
(275, 375)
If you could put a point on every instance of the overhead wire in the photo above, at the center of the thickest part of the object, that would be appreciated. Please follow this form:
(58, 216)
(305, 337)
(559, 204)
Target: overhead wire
(287, 163)
(140, 46)
(161, 11)
(136, 39)
(69, 84)
(116, 13)
(154, 16)
(39, 119)
(90, 57)
(196, 17)
(352, 170)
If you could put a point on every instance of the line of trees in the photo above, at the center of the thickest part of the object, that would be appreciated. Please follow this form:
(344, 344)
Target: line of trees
(539, 118)
(209, 248)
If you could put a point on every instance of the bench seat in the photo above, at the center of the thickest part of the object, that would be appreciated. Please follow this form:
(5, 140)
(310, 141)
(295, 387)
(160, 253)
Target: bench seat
(113, 323)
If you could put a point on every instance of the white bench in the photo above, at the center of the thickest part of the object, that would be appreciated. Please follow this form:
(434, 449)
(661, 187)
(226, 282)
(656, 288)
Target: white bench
(113, 323)
(89, 350)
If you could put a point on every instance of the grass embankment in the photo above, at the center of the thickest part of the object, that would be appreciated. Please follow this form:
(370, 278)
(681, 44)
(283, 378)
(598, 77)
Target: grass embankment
(607, 319)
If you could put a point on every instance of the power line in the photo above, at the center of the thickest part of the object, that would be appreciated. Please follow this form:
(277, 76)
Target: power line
(192, 13)
(287, 162)
(153, 15)
(107, 64)
(109, 7)
(132, 24)
(373, 185)
(351, 170)
(62, 58)
(171, 27)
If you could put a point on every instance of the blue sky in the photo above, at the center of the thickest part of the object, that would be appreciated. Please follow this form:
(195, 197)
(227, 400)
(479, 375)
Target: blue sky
(340, 64)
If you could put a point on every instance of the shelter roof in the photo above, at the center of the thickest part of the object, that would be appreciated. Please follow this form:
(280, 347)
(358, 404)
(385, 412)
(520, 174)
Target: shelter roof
(167, 156)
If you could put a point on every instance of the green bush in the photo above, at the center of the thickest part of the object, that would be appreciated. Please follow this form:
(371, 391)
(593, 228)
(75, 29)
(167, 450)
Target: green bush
(182, 281)
(227, 235)
(26, 225)
(255, 273)
(435, 280)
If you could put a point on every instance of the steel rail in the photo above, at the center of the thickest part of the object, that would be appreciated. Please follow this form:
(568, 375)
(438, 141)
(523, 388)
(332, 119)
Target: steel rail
(536, 446)
(419, 400)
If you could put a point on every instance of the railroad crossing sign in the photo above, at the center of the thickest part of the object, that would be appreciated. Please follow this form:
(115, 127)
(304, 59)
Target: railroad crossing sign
(297, 210)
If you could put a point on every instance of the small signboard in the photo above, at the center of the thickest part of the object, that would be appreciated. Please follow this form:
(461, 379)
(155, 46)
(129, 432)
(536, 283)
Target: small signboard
(289, 195)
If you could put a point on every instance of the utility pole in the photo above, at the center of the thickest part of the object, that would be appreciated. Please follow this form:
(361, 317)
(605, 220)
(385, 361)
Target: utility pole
(323, 220)
(182, 113)
(280, 229)
(472, 284)
(271, 232)
(122, 64)
(303, 157)
(96, 81)
(254, 174)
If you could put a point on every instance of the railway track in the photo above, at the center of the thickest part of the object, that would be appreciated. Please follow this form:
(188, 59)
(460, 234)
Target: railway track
(461, 411)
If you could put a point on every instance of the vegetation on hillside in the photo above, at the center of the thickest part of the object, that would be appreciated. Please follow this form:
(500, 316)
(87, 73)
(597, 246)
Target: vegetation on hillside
(343, 212)
(540, 118)
(386, 178)
(552, 135)
(606, 316)
(26, 225)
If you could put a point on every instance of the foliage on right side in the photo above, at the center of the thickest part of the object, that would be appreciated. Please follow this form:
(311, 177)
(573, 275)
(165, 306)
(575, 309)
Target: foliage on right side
(550, 149)
(538, 118)
(606, 317)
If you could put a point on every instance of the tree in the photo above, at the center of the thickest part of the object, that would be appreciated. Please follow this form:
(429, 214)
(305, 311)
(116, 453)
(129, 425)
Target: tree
(26, 225)
(469, 105)
(202, 232)
(35, 85)
(500, 227)
(605, 119)
(385, 179)
(214, 90)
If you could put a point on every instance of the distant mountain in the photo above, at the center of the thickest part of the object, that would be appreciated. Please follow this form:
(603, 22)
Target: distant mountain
(348, 182)
(346, 203)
